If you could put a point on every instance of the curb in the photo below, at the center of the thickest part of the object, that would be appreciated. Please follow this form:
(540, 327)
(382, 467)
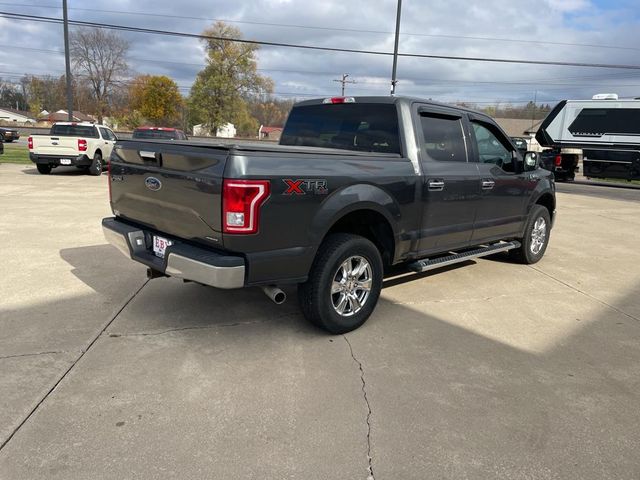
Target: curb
(606, 184)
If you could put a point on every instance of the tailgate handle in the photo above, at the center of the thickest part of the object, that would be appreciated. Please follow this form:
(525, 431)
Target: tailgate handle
(147, 156)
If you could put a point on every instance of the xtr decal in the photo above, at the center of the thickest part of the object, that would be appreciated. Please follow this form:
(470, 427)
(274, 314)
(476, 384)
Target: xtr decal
(302, 186)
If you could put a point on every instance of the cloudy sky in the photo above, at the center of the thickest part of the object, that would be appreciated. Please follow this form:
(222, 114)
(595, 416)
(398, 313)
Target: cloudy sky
(591, 31)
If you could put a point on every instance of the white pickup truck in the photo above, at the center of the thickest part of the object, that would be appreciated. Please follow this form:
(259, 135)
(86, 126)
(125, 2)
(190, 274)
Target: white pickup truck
(83, 145)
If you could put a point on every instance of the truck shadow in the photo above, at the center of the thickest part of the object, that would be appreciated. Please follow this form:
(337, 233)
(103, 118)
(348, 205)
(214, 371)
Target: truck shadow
(541, 394)
(69, 171)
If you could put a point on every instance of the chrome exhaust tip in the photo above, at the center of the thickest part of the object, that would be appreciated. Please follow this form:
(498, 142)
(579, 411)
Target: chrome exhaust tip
(276, 295)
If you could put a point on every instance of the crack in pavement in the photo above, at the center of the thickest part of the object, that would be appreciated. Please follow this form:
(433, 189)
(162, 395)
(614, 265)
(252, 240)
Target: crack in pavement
(366, 401)
(73, 364)
(32, 354)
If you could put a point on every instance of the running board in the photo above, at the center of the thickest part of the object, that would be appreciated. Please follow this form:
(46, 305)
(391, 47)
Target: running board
(430, 264)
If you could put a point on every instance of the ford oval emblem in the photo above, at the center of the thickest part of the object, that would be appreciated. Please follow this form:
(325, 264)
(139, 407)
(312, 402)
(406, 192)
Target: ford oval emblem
(152, 183)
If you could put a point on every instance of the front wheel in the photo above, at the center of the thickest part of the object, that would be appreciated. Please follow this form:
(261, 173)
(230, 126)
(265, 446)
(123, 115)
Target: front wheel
(536, 237)
(43, 169)
(344, 283)
(96, 165)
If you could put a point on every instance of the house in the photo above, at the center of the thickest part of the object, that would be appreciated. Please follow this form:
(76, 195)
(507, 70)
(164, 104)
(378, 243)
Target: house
(521, 127)
(269, 133)
(63, 116)
(228, 130)
(12, 115)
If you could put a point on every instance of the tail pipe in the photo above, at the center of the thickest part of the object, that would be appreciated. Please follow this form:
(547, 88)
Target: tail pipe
(275, 294)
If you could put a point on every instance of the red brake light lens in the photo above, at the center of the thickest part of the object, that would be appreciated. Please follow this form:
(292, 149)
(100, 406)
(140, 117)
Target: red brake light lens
(335, 100)
(30, 143)
(241, 202)
(558, 160)
(82, 145)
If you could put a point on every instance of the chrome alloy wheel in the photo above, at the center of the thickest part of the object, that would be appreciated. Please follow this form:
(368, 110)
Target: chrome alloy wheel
(351, 286)
(538, 235)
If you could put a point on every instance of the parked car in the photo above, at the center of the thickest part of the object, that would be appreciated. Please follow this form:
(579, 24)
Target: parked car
(356, 185)
(521, 144)
(9, 134)
(83, 145)
(159, 133)
(563, 165)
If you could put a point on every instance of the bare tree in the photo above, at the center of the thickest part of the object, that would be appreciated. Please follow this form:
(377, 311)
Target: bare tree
(100, 57)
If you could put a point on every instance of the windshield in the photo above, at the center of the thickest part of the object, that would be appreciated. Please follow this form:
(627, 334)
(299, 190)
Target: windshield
(74, 131)
(520, 143)
(348, 126)
(162, 134)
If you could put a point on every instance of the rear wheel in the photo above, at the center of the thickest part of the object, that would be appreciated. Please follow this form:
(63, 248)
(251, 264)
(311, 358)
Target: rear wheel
(536, 237)
(344, 283)
(43, 168)
(96, 165)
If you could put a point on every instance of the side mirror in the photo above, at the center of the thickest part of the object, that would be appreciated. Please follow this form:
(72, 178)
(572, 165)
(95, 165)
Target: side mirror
(531, 160)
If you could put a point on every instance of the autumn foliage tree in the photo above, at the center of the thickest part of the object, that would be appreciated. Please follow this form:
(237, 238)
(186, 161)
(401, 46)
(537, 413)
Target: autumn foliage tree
(229, 77)
(157, 99)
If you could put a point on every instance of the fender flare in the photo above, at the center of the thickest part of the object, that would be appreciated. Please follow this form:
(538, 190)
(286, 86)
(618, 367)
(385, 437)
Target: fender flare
(350, 199)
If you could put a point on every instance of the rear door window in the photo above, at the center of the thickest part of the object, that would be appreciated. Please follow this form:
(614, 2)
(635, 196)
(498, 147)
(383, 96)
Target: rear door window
(443, 138)
(348, 126)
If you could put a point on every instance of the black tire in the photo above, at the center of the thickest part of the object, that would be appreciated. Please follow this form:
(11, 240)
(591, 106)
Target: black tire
(96, 165)
(316, 299)
(528, 253)
(43, 169)
(9, 141)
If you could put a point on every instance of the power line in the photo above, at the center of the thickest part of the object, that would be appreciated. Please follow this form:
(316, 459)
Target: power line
(336, 29)
(124, 28)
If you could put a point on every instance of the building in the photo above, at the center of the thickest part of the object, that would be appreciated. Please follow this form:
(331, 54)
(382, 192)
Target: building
(228, 130)
(269, 133)
(17, 116)
(521, 127)
(62, 116)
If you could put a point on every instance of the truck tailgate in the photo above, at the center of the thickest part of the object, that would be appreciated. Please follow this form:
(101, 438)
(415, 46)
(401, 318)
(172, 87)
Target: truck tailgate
(44, 145)
(175, 188)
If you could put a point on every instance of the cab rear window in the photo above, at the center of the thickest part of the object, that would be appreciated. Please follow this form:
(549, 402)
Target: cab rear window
(160, 134)
(74, 131)
(348, 126)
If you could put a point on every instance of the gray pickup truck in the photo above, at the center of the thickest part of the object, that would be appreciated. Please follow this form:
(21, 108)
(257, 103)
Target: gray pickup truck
(355, 186)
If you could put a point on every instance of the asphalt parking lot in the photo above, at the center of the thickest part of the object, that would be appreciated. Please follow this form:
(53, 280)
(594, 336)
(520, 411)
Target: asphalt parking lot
(489, 370)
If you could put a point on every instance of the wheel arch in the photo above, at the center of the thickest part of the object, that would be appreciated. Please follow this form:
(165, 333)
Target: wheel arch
(548, 201)
(361, 209)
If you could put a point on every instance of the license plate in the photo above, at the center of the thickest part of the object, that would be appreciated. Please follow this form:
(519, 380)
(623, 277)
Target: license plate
(65, 161)
(160, 246)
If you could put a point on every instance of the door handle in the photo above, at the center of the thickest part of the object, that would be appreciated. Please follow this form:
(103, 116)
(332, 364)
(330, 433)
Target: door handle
(435, 185)
(488, 184)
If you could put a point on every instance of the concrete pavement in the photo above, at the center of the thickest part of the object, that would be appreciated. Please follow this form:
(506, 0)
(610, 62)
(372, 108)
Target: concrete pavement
(488, 370)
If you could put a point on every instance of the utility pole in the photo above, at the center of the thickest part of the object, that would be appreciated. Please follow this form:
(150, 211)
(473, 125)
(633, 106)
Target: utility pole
(395, 49)
(67, 61)
(344, 81)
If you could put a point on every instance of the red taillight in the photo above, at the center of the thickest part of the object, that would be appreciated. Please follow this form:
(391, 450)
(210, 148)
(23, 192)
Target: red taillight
(82, 145)
(558, 160)
(241, 202)
(339, 100)
(30, 143)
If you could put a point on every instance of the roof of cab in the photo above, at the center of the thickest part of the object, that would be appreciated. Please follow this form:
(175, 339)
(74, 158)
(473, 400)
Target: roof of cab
(387, 99)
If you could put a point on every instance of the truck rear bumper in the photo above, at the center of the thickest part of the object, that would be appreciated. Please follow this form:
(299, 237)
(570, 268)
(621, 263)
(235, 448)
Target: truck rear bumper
(57, 160)
(181, 260)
